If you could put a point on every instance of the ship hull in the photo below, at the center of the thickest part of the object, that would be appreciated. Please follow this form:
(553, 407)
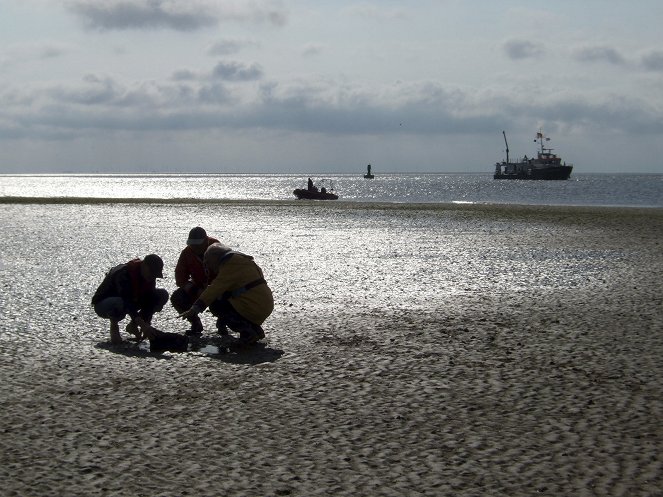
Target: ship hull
(536, 173)
(314, 195)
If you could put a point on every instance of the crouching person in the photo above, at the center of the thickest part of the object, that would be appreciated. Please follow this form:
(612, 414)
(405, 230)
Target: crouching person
(237, 294)
(190, 276)
(131, 289)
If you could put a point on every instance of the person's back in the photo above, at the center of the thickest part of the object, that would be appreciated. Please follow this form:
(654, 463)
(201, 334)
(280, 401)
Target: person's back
(111, 284)
(236, 272)
(130, 289)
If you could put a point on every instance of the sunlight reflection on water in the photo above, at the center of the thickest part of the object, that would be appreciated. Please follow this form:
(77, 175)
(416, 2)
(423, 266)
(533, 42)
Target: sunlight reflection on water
(318, 259)
(633, 189)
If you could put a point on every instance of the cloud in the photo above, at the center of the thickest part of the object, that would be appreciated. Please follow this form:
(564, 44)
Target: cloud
(600, 54)
(43, 51)
(236, 71)
(103, 93)
(522, 49)
(426, 108)
(143, 14)
(173, 14)
(101, 103)
(375, 12)
(33, 51)
(193, 102)
(230, 47)
(214, 93)
(185, 75)
(653, 61)
(225, 71)
(312, 49)
(96, 90)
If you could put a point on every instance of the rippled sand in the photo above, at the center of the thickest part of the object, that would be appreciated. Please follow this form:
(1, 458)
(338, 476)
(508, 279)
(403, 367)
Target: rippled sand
(414, 350)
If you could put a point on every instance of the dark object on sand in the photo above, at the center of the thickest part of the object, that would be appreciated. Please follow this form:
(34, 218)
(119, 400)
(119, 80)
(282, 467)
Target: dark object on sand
(169, 342)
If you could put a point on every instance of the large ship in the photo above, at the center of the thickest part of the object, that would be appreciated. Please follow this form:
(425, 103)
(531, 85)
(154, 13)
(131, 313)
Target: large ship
(546, 165)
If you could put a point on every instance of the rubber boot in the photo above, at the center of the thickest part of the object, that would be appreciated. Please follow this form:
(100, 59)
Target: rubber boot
(115, 332)
(221, 327)
(196, 327)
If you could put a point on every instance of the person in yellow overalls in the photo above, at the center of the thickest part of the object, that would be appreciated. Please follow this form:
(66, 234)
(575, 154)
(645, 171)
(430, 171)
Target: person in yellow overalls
(237, 294)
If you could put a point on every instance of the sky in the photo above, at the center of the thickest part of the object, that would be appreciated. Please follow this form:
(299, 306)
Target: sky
(289, 86)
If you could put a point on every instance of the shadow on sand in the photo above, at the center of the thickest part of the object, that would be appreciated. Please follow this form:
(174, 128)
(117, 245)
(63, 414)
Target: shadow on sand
(211, 347)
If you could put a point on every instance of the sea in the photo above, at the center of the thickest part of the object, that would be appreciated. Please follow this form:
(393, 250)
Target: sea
(618, 190)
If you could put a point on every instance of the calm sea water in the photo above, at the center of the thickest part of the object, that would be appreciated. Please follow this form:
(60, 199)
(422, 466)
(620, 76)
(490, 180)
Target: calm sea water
(636, 190)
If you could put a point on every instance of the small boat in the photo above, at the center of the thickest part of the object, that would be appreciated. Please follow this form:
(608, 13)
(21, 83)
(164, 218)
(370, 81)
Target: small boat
(368, 174)
(546, 165)
(322, 190)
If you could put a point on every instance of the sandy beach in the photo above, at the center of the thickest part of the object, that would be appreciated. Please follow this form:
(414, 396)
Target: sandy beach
(535, 388)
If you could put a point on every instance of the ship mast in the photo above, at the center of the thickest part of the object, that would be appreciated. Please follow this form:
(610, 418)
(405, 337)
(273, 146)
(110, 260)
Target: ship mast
(540, 137)
(507, 147)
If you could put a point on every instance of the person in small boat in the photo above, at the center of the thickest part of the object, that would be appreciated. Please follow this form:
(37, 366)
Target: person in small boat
(311, 186)
(190, 277)
(237, 295)
(130, 289)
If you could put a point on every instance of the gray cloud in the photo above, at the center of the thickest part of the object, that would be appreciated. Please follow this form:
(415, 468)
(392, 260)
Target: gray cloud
(653, 61)
(375, 12)
(236, 71)
(104, 93)
(600, 54)
(51, 50)
(17, 54)
(522, 49)
(630, 116)
(312, 49)
(214, 93)
(145, 14)
(225, 71)
(95, 91)
(172, 14)
(230, 47)
(184, 75)
(102, 103)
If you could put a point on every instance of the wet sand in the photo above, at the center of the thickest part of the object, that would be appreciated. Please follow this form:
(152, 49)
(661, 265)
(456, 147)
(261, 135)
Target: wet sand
(520, 393)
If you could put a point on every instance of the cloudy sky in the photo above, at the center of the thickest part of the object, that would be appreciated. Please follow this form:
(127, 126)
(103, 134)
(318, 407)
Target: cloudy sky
(307, 86)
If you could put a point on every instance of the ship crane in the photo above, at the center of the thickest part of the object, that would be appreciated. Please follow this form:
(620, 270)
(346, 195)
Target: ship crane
(507, 147)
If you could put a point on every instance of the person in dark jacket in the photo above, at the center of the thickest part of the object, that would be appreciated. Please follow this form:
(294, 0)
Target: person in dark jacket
(130, 288)
(190, 276)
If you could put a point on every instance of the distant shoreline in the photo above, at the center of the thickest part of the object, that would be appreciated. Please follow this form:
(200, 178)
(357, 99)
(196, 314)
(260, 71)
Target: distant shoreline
(320, 174)
(502, 209)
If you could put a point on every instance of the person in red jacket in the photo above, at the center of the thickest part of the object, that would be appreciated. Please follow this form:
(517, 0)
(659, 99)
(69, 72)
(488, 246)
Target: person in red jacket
(190, 276)
(130, 288)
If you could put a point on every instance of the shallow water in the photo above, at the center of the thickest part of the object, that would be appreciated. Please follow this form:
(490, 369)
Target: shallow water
(319, 259)
(644, 190)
